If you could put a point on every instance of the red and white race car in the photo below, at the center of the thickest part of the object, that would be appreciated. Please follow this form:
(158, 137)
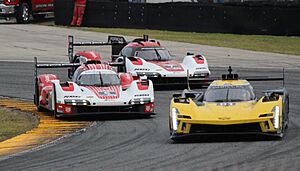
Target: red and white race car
(94, 89)
(143, 57)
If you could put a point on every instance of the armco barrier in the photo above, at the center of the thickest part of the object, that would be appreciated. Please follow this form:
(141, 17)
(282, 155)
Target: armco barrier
(241, 19)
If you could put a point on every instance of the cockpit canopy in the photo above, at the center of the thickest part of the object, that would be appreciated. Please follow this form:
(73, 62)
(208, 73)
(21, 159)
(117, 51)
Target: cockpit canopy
(98, 79)
(229, 93)
(153, 54)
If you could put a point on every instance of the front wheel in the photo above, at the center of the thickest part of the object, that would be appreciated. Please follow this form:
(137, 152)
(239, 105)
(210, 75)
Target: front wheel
(23, 14)
(281, 133)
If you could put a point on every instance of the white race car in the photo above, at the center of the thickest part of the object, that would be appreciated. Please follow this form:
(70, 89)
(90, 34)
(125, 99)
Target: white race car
(148, 57)
(143, 57)
(94, 89)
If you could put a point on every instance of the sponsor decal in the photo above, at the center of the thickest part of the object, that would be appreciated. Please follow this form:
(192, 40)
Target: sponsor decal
(141, 69)
(169, 65)
(109, 93)
(72, 97)
(43, 5)
(224, 118)
(140, 95)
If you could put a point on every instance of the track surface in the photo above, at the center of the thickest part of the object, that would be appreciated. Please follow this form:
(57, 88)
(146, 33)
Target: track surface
(143, 144)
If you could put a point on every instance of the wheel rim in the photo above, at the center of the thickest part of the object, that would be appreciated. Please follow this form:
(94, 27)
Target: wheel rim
(25, 14)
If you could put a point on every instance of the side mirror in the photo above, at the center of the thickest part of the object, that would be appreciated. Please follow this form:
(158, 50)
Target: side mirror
(190, 95)
(189, 53)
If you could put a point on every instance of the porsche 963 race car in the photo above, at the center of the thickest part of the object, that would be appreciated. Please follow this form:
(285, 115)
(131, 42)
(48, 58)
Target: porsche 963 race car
(229, 106)
(94, 89)
(144, 57)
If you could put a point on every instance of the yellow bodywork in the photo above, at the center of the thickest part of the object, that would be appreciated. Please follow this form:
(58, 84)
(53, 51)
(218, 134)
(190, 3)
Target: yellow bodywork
(212, 113)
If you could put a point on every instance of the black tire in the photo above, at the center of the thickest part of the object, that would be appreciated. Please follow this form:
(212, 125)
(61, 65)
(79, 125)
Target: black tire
(56, 116)
(281, 134)
(170, 129)
(41, 109)
(24, 13)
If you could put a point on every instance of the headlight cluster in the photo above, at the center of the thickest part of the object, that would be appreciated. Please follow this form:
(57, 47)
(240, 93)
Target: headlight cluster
(174, 113)
(276, 119)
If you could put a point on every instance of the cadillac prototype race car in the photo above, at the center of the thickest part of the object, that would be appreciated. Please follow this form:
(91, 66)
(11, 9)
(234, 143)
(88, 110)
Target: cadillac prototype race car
(144, 57)
(229, 106)
(94, 89)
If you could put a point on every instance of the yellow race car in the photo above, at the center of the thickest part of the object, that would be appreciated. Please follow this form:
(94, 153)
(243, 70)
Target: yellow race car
(229, 106)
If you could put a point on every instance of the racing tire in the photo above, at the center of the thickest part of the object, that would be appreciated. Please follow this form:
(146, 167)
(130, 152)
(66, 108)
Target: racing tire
(56, 116)
(170, 129)
(281, 133)
(41, 109)
(23, 14)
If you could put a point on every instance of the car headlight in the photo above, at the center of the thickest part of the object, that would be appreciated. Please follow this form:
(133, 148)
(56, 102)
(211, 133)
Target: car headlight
(174, 118)
(276, 119)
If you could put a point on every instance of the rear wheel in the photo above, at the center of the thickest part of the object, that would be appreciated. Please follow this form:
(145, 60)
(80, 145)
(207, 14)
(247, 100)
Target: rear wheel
(23, 14)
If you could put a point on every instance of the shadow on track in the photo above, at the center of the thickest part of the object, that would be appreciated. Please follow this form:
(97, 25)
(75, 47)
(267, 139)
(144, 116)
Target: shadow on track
(221, 138)
(104, 117)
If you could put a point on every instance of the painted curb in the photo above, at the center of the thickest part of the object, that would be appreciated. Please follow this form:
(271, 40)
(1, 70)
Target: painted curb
(48, 130)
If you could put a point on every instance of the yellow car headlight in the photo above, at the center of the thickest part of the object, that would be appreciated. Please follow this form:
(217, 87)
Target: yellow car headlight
(276, 119)
(174, 113)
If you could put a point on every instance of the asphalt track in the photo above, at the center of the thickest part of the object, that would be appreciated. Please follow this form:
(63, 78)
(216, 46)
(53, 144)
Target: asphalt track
(130, 143)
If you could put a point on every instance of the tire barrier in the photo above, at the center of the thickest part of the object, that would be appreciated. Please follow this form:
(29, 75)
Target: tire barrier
(270, 19)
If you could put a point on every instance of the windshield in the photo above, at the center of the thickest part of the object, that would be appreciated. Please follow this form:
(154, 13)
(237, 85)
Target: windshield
(98, 80)
(153, 54)
(229, 93)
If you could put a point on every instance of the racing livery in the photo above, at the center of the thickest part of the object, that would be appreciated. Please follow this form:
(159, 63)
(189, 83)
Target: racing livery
(143, 57)
(148, 57)
(229, 106)
(94, 89)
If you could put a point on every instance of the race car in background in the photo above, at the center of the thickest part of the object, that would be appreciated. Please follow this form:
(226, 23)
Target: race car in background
(94, 89)
(144, 57)
(148, 57)
(229, 106)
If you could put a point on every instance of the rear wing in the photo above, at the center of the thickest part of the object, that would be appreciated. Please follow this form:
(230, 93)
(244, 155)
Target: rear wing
(203, 83)
(116, 42)
(48, 65)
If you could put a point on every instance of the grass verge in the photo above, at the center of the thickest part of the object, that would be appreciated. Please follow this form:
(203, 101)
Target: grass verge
(14, 122)
(275, 44)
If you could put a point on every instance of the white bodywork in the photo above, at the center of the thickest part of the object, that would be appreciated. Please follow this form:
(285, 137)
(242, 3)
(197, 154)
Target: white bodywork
(84, 95)
(188, 64)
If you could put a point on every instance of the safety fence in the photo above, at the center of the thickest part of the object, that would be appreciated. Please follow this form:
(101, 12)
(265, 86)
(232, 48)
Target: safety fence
(269, 19)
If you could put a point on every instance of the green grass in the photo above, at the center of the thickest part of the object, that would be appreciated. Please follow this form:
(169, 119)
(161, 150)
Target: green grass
(13, 123)
(276, 44)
